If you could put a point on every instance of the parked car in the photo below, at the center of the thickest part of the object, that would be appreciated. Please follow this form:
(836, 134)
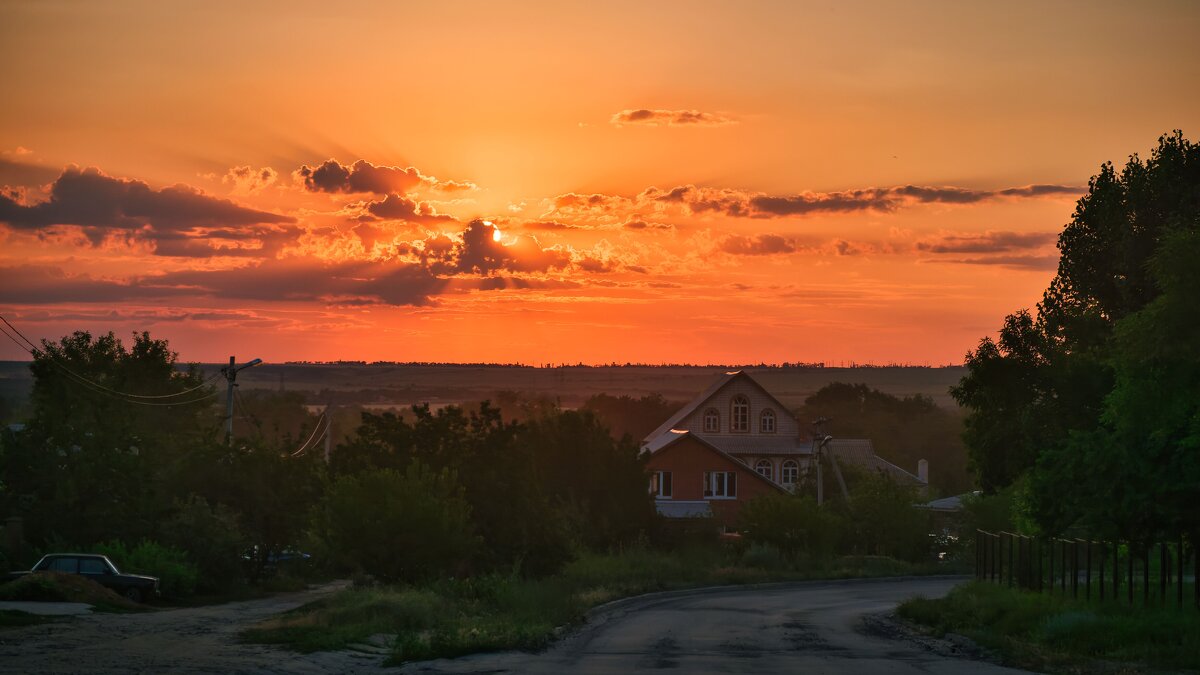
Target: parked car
(99, 569)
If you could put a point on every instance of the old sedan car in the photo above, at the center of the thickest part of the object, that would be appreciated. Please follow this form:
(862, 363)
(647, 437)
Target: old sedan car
(99, 569)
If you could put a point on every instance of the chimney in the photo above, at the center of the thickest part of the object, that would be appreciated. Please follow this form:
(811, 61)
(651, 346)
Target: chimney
(923, 471)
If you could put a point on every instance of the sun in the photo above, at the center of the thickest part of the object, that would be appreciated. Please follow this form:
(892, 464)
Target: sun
(495, 230)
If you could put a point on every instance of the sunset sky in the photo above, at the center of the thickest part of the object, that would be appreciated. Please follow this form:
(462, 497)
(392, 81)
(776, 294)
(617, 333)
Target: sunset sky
(561, 182)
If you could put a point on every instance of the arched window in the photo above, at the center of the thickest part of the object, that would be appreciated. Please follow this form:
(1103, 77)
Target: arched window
(766, 422)
(739, 417)
(764, 468)
(712, 420)
(790, 472)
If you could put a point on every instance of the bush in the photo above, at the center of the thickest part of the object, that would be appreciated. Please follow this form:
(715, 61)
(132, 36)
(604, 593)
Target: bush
(396, 526)
(212, 537)
(884, 520)
(176, 574)
(793, 524)
(57, 587)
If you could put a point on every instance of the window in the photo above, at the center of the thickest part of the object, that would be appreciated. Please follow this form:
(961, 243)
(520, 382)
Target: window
(92, 566)
(764, 468)
(720, 484)
(739, 417)
(66, 565)
(660, 484)
(766, 422)
(790, 472)
(712, 420)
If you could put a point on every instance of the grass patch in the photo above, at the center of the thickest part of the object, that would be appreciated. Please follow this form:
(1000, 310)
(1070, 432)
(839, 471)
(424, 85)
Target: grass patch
(462, 616)
(57, 587)
(1044, 632)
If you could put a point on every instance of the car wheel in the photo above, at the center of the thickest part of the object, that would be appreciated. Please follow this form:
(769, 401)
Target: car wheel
(133, 595)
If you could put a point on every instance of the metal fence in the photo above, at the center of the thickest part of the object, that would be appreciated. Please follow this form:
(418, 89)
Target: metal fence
(1093, 570)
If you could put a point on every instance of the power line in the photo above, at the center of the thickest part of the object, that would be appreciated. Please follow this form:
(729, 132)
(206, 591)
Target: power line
(322, 418)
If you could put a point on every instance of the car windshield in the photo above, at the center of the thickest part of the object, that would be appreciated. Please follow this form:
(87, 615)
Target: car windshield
(109, 564)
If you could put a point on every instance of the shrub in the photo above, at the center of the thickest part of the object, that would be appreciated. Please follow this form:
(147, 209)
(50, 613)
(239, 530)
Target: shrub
(212, 537)
(793, 524)
(176, 574)
(396, 526)
(884, 520)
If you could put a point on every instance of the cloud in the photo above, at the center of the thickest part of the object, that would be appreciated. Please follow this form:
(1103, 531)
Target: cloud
(760, 244)
(291, 279)
(17, 172)
(693, 200)
(988, 242)
(670, 118)
(399, 207)
(1024, 262)
(247, 181)
(549, 225)
(645, 225)
(91, 199)
(364, 177)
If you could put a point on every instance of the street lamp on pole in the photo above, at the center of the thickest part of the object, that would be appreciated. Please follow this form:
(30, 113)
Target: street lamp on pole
(230, 373)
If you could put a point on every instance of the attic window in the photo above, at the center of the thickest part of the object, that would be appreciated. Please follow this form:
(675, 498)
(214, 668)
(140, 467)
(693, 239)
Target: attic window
(739, 418)
(766, 422)
(712, 420)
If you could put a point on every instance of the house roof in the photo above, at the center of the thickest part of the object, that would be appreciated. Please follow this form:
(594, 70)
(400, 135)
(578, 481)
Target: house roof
(703, 398)
(861, 452)
(676, 435)
(947, 504)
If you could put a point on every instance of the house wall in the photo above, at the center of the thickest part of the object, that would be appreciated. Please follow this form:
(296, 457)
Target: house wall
(785, 424)
(688, 459)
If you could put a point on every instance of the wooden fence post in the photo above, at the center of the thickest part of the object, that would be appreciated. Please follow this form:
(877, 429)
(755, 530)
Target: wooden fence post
(1075, 569)
(1088, 574)
(1179, 560)
(1103, 560)
(1163, 572)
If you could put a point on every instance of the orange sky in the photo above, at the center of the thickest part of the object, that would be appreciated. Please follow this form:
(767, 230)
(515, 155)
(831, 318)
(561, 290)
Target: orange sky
(671, 182)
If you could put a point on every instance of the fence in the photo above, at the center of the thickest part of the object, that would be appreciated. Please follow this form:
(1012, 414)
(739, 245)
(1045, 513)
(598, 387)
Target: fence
(1041, 564)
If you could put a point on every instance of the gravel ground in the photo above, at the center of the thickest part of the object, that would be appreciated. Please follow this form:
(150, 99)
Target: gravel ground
(191, 640)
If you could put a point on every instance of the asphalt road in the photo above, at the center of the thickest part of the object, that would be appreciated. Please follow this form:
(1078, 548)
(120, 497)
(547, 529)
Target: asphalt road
(796, 628)
(815, 627)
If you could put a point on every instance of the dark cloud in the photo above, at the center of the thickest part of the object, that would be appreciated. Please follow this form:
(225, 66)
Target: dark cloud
(89, 198)
(16, 172)
(399, 207)
(760, 244)
(291, 279)
(363, 177)
(988, 242)
(742, 204)
(1038, 263)
(671, 118)
(548, 225)
(247, 180)
(645, 225)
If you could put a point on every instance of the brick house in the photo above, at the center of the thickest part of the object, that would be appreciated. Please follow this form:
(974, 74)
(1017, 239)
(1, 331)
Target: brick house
(733, 442)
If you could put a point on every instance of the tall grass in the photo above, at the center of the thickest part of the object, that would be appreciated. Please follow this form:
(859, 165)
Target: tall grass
(453, 617)
(1043, 631)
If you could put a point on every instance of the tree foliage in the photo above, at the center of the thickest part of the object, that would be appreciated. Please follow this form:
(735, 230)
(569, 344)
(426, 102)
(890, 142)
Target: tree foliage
(408, 527)
(1090, 407)
(903, 430)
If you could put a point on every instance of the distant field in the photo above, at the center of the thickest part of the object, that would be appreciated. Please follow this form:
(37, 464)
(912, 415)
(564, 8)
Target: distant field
(403, 385)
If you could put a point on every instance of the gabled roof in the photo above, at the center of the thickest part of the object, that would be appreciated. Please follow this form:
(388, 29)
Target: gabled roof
(861, 451)
(703, 398)
(676, 435)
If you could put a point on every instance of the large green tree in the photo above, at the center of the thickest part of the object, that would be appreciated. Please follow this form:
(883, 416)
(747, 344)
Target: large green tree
(1085, 403)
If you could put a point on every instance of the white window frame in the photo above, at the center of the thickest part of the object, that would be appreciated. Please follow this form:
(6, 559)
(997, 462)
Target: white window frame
(769, 467)
(720, 485)
(795, 470)
(739, 414)
(714, 415)
(767, 415)
(659, 480)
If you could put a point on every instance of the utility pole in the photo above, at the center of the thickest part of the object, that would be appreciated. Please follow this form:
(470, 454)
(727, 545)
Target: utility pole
(230, 373)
